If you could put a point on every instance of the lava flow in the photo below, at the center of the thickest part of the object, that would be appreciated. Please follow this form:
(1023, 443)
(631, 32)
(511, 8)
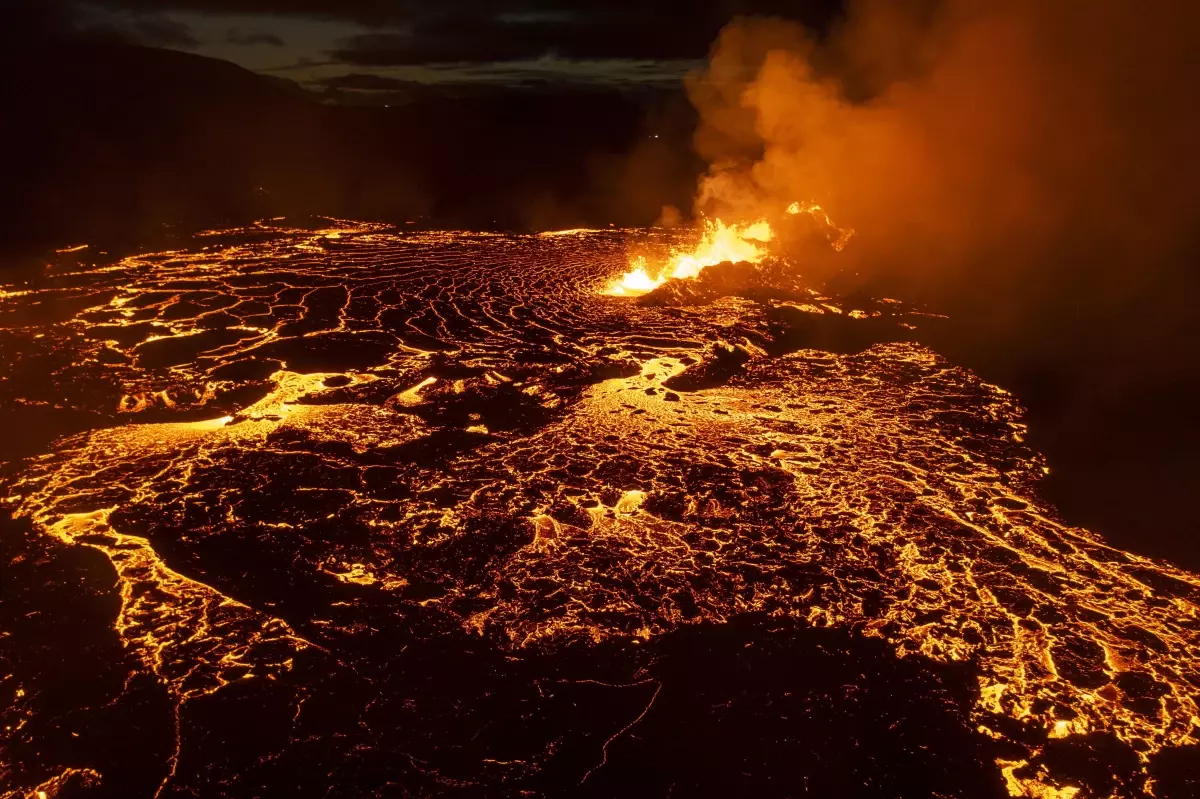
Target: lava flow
(352, 511)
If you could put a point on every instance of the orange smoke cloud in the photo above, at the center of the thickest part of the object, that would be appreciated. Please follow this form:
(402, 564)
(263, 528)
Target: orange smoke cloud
(997, 154)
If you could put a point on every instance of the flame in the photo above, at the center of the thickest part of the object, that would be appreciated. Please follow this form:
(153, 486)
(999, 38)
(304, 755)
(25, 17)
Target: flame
(719, 243)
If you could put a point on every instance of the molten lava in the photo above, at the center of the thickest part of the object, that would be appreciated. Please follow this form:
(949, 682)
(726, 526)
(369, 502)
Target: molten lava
(719, 243)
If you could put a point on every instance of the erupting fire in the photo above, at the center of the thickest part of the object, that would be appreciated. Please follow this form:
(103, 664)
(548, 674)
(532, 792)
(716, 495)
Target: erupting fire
(719, 243)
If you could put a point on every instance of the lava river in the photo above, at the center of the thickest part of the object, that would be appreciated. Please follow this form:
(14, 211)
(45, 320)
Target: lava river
(353, 511)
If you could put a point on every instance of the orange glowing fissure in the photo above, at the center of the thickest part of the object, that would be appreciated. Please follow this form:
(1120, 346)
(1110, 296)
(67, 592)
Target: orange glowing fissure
(719, 242)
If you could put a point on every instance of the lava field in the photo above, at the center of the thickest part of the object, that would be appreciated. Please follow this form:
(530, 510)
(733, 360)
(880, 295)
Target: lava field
(354, 511)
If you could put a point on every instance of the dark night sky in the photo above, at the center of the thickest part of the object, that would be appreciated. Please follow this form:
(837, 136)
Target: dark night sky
(368, 45)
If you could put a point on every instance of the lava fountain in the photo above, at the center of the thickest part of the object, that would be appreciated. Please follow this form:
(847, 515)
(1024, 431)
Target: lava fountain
(719, 242)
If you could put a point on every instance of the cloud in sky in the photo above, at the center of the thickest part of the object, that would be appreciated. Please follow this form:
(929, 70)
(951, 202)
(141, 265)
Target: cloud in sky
(621, 42)
(156, 31)
(252, 38)
(381, 13)
(508, 39)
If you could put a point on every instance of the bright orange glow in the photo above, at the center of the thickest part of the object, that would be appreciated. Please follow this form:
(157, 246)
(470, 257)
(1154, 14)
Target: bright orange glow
(719, 243)
(568, 232)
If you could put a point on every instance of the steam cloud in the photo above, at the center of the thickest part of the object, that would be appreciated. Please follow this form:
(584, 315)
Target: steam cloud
(1029, 164)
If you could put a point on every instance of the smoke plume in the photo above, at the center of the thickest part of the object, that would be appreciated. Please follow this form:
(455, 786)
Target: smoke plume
(1016, 160)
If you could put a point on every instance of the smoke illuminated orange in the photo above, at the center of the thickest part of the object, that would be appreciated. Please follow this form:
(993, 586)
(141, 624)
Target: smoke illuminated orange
(844, 235)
